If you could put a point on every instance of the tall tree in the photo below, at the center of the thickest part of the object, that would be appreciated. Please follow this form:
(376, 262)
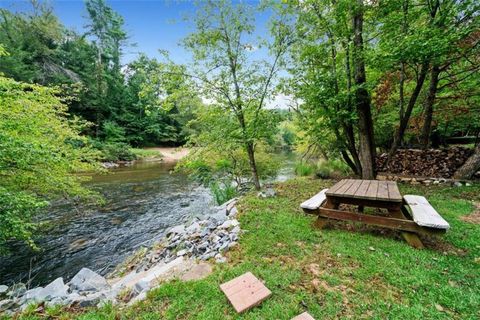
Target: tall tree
(223, 46)
(365, 123)
(106, 26)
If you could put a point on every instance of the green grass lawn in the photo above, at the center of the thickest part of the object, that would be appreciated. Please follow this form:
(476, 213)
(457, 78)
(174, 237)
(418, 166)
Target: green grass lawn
(345, 271)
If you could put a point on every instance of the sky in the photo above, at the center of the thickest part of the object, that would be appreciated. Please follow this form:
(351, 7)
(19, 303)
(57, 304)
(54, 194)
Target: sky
(150, 24)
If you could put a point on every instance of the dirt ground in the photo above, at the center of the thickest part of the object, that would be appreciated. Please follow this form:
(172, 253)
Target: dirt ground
(171, 154)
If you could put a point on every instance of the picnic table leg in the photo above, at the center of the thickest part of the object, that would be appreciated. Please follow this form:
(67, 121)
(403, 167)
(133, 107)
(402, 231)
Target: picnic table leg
(411, 237)
(322, 222)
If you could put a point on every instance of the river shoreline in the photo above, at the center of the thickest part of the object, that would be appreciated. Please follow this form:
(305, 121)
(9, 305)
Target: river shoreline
(169, 155)
(179, 254)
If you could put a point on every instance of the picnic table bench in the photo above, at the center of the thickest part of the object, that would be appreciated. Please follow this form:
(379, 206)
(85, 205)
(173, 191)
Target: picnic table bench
(410, 214)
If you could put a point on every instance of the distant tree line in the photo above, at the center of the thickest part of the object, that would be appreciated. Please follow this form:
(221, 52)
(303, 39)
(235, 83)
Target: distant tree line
(119, 101)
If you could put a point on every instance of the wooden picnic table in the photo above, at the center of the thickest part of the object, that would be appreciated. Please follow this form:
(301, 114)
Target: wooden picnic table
(376, 194)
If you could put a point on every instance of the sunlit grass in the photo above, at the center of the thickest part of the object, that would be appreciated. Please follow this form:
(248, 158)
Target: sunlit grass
(342, 272)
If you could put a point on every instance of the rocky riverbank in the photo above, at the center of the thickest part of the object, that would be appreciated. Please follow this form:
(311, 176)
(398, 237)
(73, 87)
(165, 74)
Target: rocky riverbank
(181, 254)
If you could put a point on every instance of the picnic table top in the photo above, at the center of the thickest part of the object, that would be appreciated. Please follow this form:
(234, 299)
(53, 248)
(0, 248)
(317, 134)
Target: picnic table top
(366, 189)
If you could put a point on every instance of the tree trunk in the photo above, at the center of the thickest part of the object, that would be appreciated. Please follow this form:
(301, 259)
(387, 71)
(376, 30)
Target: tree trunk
(429, 102)
(408, 111)
(471, 166)
(365, 123)
(253, 166)
(347, 125)
(349, 162)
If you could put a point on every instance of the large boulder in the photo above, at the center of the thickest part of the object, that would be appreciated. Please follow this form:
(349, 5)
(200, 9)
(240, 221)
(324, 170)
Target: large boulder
(32, 295)
(87, 280)
(56, 290)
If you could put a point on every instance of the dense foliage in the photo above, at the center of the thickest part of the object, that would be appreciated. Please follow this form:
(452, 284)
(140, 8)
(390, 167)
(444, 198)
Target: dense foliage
(422, 74)
(238, 84)
(39, 148)
(111, 96)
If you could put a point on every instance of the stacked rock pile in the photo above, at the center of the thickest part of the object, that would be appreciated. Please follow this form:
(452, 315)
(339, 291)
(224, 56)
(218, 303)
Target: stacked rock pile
(202, 239)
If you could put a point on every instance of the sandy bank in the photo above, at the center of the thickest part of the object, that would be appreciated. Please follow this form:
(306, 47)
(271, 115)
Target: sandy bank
(171, 154)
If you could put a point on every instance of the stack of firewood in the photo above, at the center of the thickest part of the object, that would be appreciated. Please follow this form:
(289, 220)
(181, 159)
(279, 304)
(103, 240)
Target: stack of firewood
(440, 163)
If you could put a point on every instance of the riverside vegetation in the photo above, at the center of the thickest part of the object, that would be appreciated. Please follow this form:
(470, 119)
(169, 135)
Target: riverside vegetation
(332, 273)
(360, 77)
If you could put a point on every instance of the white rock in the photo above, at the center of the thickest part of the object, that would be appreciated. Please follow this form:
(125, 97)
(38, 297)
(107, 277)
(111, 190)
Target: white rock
(230, 204)
(55, 302)
(194, 227)
(141, 285)
(56, 289)
(32, 295)
(88, 280)
(157, 271)
(181, 253)
(6, 304)
(233, 212)
(177, 230)
(90, 300)
(229, 223)
(72, 297)
(3, 289)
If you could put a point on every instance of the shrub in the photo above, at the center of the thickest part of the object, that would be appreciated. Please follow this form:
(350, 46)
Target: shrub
(40, 148)
(222, 192)
(333, 168)
(303, 169)
(114, 151)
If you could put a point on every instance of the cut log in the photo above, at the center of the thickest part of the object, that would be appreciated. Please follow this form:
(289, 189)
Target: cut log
(438, 163)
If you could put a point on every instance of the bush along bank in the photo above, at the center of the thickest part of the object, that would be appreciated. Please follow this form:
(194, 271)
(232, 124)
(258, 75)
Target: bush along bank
(177, 254)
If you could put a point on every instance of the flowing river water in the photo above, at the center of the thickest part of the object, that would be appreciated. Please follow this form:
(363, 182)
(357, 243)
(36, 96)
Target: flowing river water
(142, 202)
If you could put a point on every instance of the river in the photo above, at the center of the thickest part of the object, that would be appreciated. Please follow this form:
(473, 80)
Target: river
(142, 202)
